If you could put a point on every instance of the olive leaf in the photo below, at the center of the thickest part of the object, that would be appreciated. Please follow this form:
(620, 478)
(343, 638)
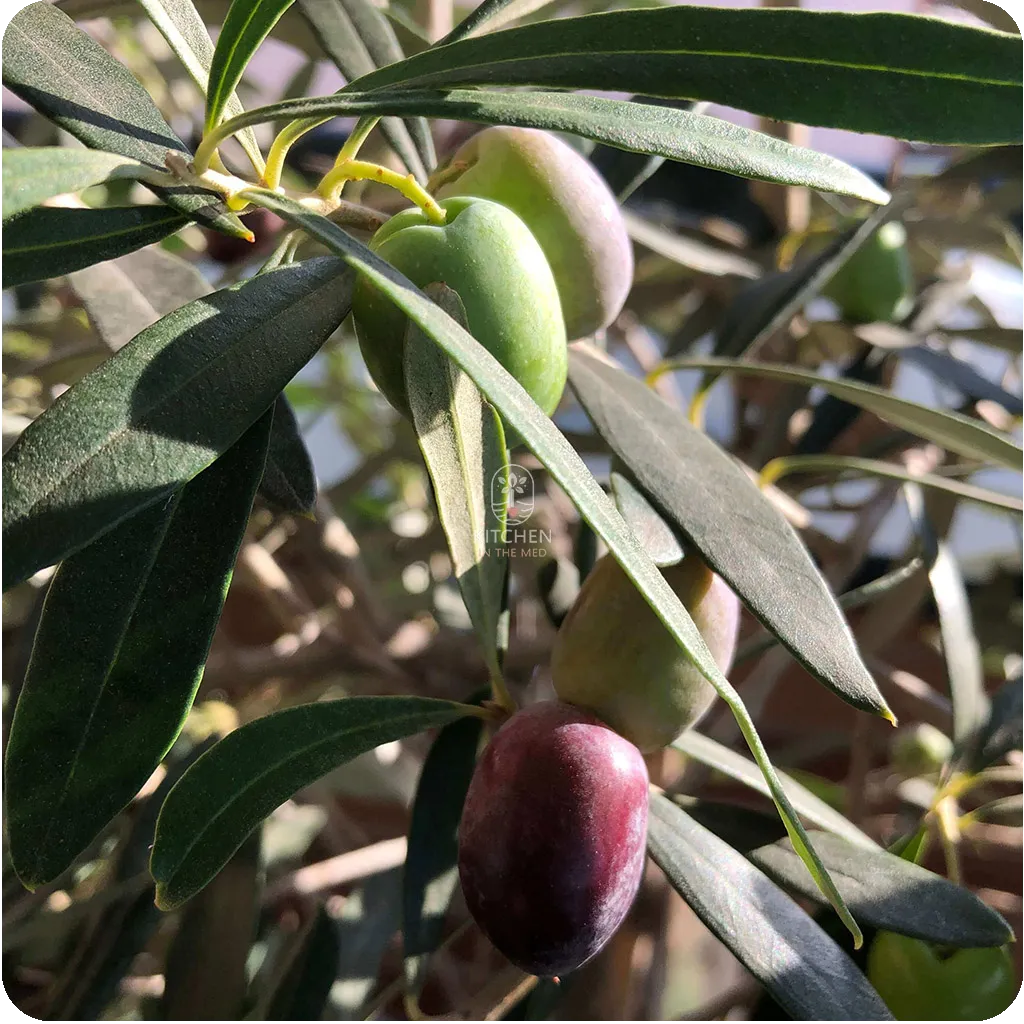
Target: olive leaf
(431, 872)
(743, 770)
(162, 409)
(740, 534)
(882, 890)
(1002, 731)
(246, 25)
(900, 75)
(343, 43)
(804, 969)
(952, 430)
(53, 240)
(463, 446)
(636, 127)
(859, 468)
(382, 44)
(522, 414)
(68, 77)
(289, 480)
(32, 175)
(960, 646)
(117, 660)
(179, 23)
(238, 782)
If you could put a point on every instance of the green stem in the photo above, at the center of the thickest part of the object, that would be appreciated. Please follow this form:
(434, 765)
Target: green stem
(361, 170)
(286, 138)
(354, 142)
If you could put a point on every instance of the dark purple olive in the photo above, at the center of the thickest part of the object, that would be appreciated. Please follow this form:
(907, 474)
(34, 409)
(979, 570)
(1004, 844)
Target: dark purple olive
(552, 838)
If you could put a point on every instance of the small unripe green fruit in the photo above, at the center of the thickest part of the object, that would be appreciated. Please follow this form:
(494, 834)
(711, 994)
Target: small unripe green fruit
(487, 255)
(614, 656)
(568, 207)
(920, 749)
(876, 282)
(970, 984)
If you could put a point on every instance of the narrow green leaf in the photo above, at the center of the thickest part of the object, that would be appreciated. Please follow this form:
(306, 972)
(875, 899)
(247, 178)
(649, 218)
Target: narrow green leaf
(32, 175)
(1003, 731)
(856, 598)
(894, 74)
(125, 296)
(246, 25)
(850, 464)
(960, 646)
(340, 40)
(179, 23)
(689, 252)
(1009, 339)
(736, 528)
(237, 783)
(69, 78)
(882, 890)
(382, 44)
(961, 375)
(636, 127)
(304, 988)
(799, 964)
(431, 869)
(117, 661)
(562, 461)
(757, 311)
(952, 430)
(742, 769)
(162, 409)
(651, 530)
(492, 14)
(463, 446)
(53, 240)
(289, 480)
(368, 921)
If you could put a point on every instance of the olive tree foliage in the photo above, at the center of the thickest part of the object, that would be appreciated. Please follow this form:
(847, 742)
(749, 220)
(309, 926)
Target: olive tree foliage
(140, 481)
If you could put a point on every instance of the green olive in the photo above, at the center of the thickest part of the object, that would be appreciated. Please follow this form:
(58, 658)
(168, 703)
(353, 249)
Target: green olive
(916, 984)
(485, 253)
(568, 207)
(876, 282)
(920, 749)
(614, 656)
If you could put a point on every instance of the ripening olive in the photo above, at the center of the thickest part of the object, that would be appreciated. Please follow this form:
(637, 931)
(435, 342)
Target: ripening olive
(916, 984)
(876, 282)
(568, 207)
(614, 656)
(552, 837)
(486, 254)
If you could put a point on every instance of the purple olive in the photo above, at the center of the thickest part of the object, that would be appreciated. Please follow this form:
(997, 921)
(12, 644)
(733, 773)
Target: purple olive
(552, 838)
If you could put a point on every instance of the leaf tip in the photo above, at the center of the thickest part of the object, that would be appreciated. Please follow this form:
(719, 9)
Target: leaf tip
(163, 901)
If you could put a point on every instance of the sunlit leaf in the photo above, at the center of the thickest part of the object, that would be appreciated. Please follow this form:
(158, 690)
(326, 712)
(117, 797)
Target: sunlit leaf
(162, 409)
(737, 530)
(952, 430)
(237, 783)
(53, 240)
(894, 74)
(180, 24)
(803, 969)
(118, 657)
(463, 446)
(69, 78)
